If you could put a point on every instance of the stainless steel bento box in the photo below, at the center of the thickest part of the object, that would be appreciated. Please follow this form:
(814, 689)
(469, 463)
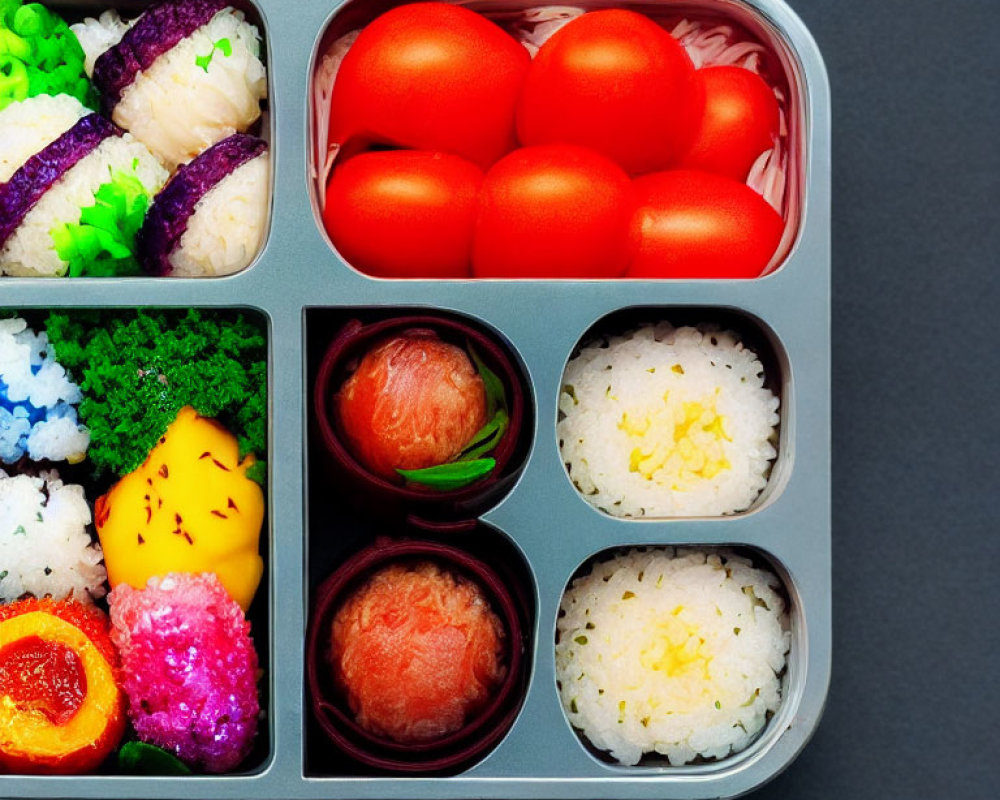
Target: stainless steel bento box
(305, 290)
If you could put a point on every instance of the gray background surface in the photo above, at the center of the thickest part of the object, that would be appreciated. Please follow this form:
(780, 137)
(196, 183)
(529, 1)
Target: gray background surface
(914, 703)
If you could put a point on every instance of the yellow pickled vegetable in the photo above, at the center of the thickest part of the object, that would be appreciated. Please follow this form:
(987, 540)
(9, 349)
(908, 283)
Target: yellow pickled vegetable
(189, 508)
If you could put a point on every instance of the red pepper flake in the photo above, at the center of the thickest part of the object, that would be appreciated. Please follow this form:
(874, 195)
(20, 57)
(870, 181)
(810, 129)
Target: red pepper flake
(164, 472)
(188, 537)
(149, 514)
(139, 537)
(163, 439)
(149, 481)
(206, 454)
(220, 465)
(231, 504)
(219, 514)
(102, 510)
(159, 502)
(177, 519)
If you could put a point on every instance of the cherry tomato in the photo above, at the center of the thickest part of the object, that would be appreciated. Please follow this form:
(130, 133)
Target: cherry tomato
(404, 213)
(697, 225)
(739, 123)
(553, 211)
(616, 82)
(431, 76)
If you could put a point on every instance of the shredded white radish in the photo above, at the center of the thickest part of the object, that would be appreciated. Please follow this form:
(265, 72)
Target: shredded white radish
(707, 44)
(326, 75)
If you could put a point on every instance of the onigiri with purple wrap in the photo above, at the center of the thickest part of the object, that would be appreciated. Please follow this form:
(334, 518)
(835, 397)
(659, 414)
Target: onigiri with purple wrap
(180, 77)
(211, 217)
(74, 189)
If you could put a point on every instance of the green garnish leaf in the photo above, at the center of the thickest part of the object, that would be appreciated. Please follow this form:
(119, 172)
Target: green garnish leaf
(496, 397)
(102, 243)
(223, 45)
(486, 438)
(447, 477)
(140, 758)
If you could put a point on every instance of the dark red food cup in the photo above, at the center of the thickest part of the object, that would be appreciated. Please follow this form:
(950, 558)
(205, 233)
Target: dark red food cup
(481, 732)
(440, 511)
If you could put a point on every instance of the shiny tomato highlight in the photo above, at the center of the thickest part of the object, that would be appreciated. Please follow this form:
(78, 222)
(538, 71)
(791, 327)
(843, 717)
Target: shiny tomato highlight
(555, 211)
(697, 225)
(430, 76)
(616, 82)
(404, 213)
(739, 123)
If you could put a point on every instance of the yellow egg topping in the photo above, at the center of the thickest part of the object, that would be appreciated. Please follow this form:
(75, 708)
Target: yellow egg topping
(677, 442)
(188, 508)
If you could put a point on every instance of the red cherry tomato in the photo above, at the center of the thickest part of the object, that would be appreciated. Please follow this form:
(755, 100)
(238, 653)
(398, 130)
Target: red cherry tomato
(555, 211)
(616, 82)
(430, 76)
(698, 225)
(740, 122)
(404, 213)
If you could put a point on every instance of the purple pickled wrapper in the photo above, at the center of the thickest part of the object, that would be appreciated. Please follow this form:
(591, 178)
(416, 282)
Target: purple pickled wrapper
(37, 175)
(156, 32)
(168, 216)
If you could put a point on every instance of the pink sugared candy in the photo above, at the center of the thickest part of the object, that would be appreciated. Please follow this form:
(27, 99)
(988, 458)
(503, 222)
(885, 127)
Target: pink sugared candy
(189, 668)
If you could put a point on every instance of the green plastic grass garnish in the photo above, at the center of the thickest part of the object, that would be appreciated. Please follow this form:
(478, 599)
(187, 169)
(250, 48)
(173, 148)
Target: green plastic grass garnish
(140, 758)
(102, 243)
(137, 369)
(39, 54)
(470, 465)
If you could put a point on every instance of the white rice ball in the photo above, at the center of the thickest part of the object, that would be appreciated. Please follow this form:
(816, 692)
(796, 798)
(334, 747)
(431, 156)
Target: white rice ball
(44, 545)
(31, 125)
(178, 108)
(676, 652)
(227, 227)
(665, 422)
(29, 251)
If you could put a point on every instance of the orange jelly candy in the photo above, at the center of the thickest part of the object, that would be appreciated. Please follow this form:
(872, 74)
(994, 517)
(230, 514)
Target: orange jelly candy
(60, 708)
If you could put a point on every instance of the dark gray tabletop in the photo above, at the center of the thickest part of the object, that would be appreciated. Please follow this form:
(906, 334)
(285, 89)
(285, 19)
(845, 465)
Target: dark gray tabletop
(913, 706)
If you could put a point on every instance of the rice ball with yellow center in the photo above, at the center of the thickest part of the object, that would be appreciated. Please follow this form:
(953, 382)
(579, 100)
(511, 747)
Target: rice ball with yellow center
(666, 422)
(671, 652)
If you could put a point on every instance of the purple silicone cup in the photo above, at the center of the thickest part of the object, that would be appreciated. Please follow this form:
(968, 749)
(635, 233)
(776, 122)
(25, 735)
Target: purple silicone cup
(158, 30)
(173, 207)
(438, 511)
(37, 175)
(481, 732)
